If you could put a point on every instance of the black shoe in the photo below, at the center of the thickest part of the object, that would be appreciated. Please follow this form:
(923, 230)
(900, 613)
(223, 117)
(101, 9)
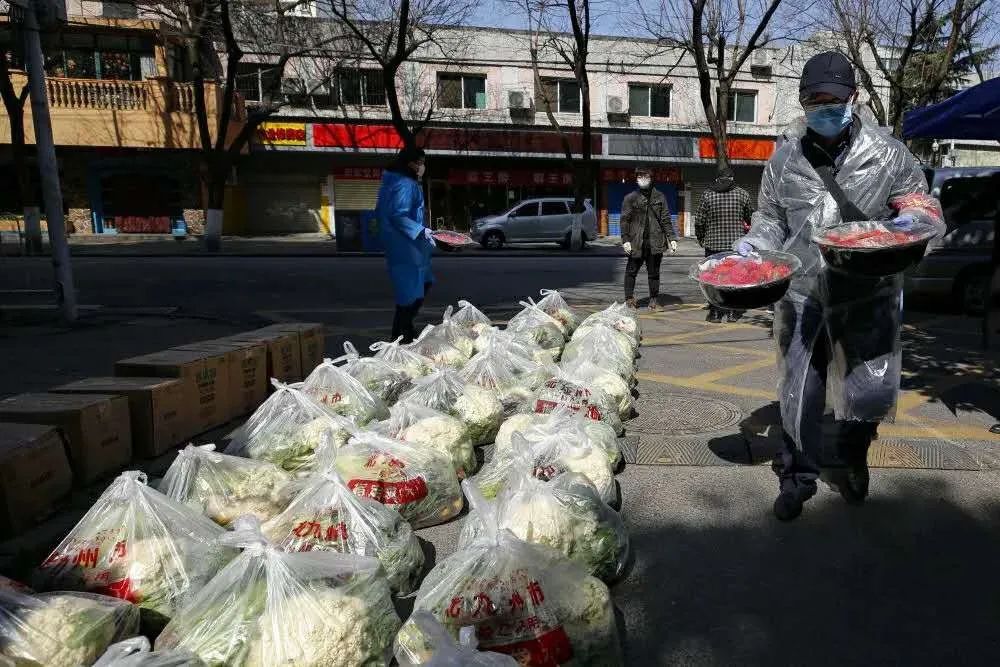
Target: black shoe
(853, 485)
(734, 316)
(713, 316)
(788, 504)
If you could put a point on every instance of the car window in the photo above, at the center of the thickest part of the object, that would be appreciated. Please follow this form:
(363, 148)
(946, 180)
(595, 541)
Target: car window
(966, 200)
(528, 209)
(554, 208)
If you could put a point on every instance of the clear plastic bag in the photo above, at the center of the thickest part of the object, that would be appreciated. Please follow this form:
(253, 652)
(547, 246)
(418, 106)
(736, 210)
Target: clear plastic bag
(523, 600)
(223, 487)
(551, 455)
(417, 481)
(287, 429)
(604, 378)
(512, 379)
(138, 545)
(138, 652)
(402, 359)
(424, 641)
(511, 344)
(269, 607)
(617, 316)
(536, 326)
(606, 348)
(434, 345)
(478, 409)
(376, 375)
(535, 427)
(455, 334)
(60, 629)
(573, 394)
(472, 320)
(553, 303)
(420, 425)
(327, 516)
(340, 394)
(564, 513)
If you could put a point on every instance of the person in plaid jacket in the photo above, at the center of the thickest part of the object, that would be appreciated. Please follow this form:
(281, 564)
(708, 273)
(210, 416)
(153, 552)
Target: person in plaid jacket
(723, 217)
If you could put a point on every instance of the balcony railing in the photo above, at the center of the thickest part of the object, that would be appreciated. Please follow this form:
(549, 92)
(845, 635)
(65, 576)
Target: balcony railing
(97, 94)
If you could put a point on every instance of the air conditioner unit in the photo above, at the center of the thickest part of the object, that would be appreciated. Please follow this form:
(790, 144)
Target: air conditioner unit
(518, 100)
(616, 105)
(761, 57)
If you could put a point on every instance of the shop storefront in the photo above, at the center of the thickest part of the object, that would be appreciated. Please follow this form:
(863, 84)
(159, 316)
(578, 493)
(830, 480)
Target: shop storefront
(616, 182)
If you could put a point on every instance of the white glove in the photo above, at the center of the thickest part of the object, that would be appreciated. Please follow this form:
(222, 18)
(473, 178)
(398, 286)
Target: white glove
(673, 246)
(627, 247)
(429, 235)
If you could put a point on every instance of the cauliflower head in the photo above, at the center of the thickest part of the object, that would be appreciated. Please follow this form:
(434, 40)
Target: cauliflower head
(481, 412)
(447, 435)
(593, 464)
(258, 490)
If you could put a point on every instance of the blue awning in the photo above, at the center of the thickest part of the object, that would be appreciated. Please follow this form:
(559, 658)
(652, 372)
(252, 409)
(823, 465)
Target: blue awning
(973, 113)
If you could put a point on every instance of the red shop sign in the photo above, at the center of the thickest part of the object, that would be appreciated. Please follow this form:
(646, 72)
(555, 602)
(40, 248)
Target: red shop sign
(659, 175)
(358, 173)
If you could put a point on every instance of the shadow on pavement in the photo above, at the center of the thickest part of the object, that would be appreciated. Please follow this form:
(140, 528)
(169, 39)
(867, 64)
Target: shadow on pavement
(905, 580)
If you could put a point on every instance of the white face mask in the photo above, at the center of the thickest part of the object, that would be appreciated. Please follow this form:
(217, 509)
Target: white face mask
(420, 171)
(643, 181)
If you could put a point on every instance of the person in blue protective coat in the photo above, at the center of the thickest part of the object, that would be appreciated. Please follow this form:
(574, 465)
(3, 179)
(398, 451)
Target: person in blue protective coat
(837, 335)
(408, 244)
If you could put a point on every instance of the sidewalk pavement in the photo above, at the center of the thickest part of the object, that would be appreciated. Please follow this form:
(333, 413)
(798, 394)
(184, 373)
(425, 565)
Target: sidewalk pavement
(296, 245)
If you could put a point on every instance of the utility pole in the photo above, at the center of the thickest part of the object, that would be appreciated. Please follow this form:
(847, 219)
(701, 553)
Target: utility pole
(48, 168)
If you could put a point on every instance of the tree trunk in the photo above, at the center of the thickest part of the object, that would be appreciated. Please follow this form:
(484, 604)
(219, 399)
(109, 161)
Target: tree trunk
(14, 105)
(216, 194)
(396, 110)
(705, 84)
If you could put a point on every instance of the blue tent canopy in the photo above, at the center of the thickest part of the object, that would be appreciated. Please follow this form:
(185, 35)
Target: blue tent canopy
(973, 113)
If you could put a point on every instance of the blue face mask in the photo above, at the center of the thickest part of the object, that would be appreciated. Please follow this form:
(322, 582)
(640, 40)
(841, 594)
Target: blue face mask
(829, 120)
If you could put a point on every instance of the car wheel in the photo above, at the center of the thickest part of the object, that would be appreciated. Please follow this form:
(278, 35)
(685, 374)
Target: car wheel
(493, 240)
(973, 294)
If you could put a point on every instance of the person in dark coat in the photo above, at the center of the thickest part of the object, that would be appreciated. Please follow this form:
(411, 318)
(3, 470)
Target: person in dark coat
(646, 232)
(723, 217)
(408, 243)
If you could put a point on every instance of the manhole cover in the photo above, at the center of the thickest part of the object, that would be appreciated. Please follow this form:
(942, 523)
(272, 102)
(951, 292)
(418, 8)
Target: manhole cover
(683, 414)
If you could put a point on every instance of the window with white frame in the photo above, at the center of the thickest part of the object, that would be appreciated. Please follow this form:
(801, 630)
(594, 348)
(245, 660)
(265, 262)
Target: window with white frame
(649, 100)
(256, 82)
(461, 91)
(742, 106)
(562, 95)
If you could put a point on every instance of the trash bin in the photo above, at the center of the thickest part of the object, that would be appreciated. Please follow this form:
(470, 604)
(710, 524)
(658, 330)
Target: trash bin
(348, 228)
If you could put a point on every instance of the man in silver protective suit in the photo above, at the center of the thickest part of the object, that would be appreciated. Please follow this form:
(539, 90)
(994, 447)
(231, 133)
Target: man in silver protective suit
(836, 334)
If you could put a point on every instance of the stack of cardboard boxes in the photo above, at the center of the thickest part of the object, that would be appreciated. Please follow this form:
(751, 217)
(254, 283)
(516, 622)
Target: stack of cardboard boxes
(88, 430)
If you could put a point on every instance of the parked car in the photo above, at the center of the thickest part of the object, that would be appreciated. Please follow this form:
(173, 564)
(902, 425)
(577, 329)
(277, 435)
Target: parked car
(546, 219)
(958, 267)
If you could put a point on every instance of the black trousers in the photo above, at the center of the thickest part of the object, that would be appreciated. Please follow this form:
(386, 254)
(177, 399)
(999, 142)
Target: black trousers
(402, 321)
(715, 311)
(652, 263)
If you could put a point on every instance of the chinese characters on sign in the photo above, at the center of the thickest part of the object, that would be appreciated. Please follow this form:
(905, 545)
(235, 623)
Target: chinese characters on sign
(509, 177)
(282, 134)
(358, 173)
(626, 174)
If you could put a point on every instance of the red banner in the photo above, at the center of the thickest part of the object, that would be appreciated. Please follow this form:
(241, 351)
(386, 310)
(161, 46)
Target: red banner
(358, 173)
(510, 177)
(341, 135)
(739, 149)
(659, 175)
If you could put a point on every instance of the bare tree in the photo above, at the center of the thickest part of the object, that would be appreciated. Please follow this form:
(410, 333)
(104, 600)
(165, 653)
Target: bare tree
(390, 34)
(720, 36)
(13, 101)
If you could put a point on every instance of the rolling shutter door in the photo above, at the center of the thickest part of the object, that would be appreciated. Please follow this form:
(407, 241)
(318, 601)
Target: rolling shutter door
(354, 195)
(283, 204)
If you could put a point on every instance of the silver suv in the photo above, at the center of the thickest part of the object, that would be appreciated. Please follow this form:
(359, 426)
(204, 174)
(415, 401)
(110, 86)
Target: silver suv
(541, 220)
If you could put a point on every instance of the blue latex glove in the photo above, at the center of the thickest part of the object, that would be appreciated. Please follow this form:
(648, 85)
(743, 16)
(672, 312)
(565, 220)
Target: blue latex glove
(744, 248)
(903, 222)
(429, 235)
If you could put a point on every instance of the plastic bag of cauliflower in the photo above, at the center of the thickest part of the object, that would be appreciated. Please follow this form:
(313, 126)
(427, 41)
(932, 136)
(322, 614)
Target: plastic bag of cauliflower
(376, 375)
(139, 545)
(603, 347)
(420, 425)
(402, 359)
(512, 379)
(551, 455)
(455, 334)
(327, 516)
(472, 320)
(511, 344)
(522, 599)
(589, 374)
(564, 390)
(478, 409)
(553, 303)
(565, 513)
(617, 316)
(269, 607)
(138, 652)
(435, 346)
(60, 629)
(534, 427)
(340, 394)
(536, 326)
(419, 482)
(424, 641)
(287, 429)
(223, 487)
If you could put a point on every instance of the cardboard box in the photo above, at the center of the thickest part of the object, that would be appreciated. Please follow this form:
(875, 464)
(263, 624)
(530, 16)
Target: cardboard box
(34, 475)
(205, 377)
(159, 410)
(247, 369)
(96, 427)
(284, 357)
(312, 343)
